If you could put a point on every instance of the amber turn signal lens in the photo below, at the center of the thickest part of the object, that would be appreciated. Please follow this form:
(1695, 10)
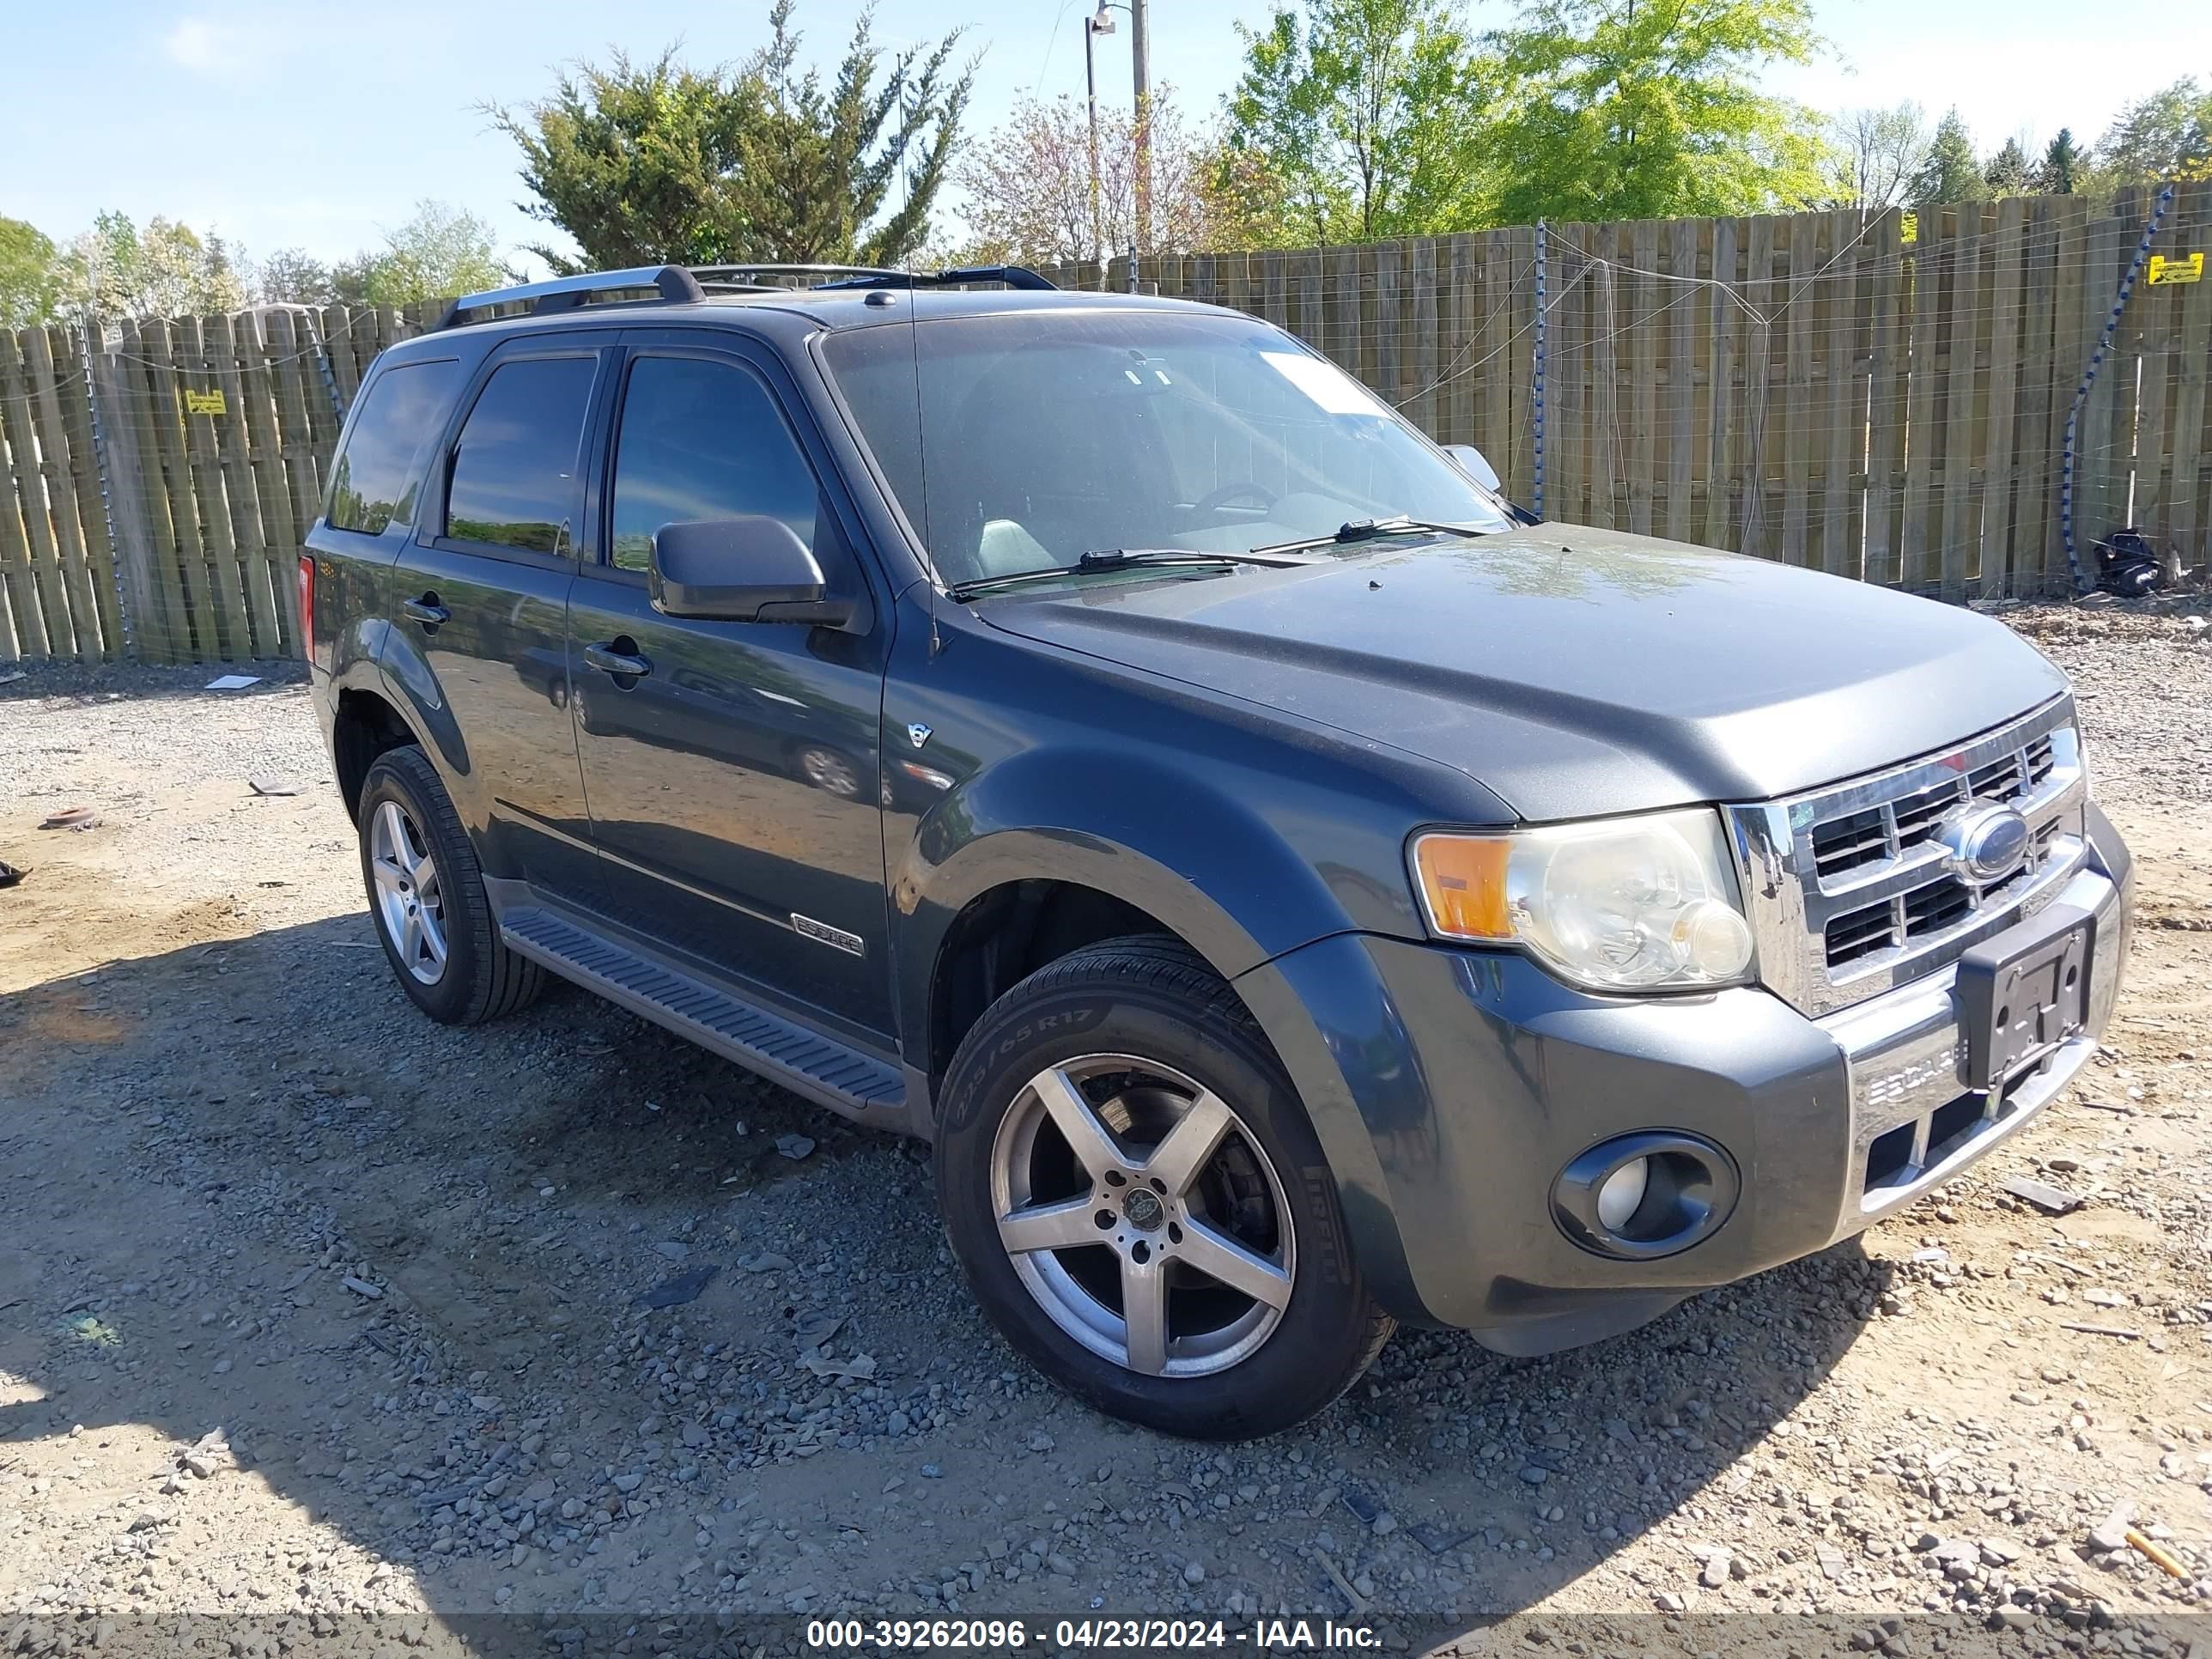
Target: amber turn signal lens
(1463, 879)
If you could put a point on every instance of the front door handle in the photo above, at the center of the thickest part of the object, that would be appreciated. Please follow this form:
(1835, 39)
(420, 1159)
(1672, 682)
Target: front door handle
(427, 611)
(618, 657)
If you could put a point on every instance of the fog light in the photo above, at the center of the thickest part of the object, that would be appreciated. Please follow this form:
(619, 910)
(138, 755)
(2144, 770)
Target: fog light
(1622, 1194)
(1646, 1195)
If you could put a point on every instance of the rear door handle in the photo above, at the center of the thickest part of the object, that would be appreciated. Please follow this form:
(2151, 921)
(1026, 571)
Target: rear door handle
(427, 611)
(610, 659)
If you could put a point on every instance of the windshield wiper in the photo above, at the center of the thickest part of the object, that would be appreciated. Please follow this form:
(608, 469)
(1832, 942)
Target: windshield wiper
(1130, 558)
(1366, 529)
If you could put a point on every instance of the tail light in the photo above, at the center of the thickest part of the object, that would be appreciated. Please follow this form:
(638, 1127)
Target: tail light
(306, 604)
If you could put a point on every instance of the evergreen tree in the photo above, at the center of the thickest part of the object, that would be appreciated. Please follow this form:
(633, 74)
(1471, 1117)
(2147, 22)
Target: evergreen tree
(2008, 172)
(1951, 173)
(642, 163)
(2063, 163)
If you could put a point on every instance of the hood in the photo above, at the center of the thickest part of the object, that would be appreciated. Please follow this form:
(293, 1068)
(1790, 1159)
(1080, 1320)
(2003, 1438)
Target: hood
(1572, 671)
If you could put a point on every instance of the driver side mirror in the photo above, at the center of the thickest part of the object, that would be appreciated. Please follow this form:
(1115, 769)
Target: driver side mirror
(748, 569)
(1476, 466)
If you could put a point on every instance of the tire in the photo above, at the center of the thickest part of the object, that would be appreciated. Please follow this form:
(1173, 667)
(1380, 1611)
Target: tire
(1149, 1041)
(413, 847)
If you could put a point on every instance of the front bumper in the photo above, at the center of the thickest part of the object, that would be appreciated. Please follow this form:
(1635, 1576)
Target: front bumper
(1450, 1087)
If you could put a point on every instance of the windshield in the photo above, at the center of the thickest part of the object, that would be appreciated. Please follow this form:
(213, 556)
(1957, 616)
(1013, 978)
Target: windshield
(1044, 435)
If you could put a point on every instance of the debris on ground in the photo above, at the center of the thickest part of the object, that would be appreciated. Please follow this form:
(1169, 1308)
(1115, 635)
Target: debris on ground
(9, 875)
(232, 682)
(794, 1146)
(2051, 1201)
(675, 1292)
(264, 785)
(2162, 1557)
(208, 1456)
(72, 818)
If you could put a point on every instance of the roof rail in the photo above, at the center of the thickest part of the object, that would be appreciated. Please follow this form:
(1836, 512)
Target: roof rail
(566, 292)
(771, 267)
(684, 284)
(881, 276)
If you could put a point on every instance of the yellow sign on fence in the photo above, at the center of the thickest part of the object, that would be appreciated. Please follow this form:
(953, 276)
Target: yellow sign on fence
(2176, 268)
(207, 403)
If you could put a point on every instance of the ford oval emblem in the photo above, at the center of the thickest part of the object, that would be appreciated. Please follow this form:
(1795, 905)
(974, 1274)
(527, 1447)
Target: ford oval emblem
(1984, 842)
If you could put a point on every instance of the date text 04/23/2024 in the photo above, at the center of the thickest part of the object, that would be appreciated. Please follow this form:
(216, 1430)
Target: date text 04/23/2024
(1091, 1634)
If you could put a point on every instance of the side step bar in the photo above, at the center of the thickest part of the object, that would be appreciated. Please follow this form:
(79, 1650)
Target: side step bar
(824, 1070)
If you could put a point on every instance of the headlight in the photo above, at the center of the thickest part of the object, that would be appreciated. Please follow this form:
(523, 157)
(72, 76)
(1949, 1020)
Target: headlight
(1622, 904)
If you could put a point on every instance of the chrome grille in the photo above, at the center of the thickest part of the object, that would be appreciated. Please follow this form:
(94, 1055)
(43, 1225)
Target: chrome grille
(1849, 889)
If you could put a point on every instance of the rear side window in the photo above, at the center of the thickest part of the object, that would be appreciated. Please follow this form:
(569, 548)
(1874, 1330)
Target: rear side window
(514, 470)
(379, 472)
(701, 441)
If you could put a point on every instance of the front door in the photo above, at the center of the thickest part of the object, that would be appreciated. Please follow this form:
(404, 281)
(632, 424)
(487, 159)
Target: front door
(484, 595)
(733, 781)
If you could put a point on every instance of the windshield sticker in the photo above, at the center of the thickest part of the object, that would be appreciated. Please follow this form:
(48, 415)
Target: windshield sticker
(1329, 387)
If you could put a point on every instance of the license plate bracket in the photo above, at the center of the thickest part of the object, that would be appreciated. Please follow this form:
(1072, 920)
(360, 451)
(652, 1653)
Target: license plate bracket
(2024, 992)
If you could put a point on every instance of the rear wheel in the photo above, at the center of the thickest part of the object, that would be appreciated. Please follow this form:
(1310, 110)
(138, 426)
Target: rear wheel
(1137, 1200)
(426, 893)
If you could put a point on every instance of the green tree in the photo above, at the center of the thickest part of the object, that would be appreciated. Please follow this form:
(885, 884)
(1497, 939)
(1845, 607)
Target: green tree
(1952, 172)
(641, 163)
(2165, 134)
(2009, 171)
(1633, 109)
(31, 275)
(2063, 165)
(439, 252)
(166, 269)
(1365, 117)
(292, 276)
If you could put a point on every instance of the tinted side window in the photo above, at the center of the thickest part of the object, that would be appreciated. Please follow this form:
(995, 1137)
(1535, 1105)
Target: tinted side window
(701, 441)
(516, 464)
(378, 472)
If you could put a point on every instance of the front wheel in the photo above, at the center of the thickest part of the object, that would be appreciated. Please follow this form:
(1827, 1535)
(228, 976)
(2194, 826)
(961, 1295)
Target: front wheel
(1135, 1194)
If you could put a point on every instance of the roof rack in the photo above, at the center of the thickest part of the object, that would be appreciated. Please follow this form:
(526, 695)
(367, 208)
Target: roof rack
(880, 275)
(567, 293)
(1012, 275)
(686, 284)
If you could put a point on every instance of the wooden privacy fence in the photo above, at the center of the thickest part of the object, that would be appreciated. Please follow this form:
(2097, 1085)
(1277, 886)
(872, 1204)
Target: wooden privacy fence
(1814, 387)
(157, 479)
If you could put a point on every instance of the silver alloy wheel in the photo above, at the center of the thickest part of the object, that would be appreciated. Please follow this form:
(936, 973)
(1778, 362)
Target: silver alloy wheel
(1144, 1217)
(410, 902)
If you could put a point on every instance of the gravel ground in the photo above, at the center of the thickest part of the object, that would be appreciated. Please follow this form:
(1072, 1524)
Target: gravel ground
(323, 1327)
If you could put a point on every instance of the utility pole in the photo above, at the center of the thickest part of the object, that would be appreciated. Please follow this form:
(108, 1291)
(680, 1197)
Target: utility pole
(1140, 51)
(1094, 26)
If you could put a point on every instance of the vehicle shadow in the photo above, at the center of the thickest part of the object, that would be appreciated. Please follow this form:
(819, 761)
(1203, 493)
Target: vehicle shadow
(247, 1187)
(105, 682)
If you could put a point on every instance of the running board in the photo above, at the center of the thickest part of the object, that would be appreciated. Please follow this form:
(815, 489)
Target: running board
(824, 1070)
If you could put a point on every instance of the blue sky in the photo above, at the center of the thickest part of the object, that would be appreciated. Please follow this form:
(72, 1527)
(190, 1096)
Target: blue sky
(297, 124)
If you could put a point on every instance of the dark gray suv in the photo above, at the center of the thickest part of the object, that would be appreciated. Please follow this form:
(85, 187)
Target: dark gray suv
(1293, 891)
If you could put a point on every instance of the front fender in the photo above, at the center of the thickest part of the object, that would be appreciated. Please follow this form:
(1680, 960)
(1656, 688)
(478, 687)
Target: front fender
(1133, 824)
(1212, 870)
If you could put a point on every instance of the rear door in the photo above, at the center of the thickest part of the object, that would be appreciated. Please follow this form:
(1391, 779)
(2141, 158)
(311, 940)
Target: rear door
(734, 786)
(483, 588)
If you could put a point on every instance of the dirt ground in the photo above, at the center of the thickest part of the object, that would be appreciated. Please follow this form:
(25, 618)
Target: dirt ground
(325, 1329)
